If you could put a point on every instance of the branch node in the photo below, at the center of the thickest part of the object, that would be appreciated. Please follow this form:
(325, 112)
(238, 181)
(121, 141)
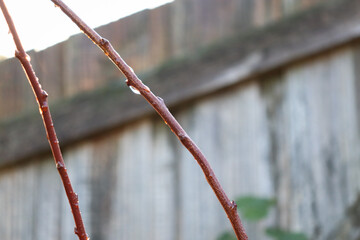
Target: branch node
(44, 106)
(161, 100)
(27, 57)
(146, 88)
(233, 205)
(22, 56)
(17, 54)
(104, 42)
(44, 95)
(76, 231)
(76, 198)
(211, 176)
(59, 165)
(182, 137)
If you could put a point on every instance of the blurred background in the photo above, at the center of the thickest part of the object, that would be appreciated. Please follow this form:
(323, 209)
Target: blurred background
(268, 89)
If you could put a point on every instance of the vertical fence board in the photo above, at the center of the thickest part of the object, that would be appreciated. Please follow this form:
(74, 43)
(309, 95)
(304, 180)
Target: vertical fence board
(165, 189)
(312, 115)
(135, 183)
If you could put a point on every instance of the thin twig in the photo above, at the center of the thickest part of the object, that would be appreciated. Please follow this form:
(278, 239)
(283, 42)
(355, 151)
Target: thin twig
(158, 104)
(41, 97)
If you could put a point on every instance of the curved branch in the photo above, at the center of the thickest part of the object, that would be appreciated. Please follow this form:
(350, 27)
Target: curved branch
(41, 97)
(158, 104)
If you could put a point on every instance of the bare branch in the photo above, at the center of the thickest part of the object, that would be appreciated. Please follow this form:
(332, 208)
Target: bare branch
(158, 104)
(41, 97)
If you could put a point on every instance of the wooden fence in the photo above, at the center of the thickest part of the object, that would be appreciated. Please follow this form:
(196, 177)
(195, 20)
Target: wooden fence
(275, 108)
(146, 40)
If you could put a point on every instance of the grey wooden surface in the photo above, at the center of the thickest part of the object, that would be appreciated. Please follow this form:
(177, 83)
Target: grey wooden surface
(293, 135)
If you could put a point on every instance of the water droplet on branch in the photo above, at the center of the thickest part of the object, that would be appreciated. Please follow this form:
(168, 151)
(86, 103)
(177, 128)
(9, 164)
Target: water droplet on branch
(134, 90)
(27, 57)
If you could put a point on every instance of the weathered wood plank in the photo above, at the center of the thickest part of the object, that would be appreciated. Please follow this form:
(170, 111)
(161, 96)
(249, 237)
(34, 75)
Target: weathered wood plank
(136, 203)
(165, 183)
(47, 202)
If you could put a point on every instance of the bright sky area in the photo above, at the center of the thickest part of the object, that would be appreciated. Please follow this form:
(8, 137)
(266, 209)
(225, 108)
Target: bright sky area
(40, 24)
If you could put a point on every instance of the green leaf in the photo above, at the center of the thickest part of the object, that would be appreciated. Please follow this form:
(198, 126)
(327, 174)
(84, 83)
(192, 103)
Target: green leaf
(280, 234)
(227, 236)
(254, 208)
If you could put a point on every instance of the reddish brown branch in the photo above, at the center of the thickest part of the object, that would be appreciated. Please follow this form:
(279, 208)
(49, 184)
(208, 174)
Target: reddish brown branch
(158, 104)
(41, 97)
